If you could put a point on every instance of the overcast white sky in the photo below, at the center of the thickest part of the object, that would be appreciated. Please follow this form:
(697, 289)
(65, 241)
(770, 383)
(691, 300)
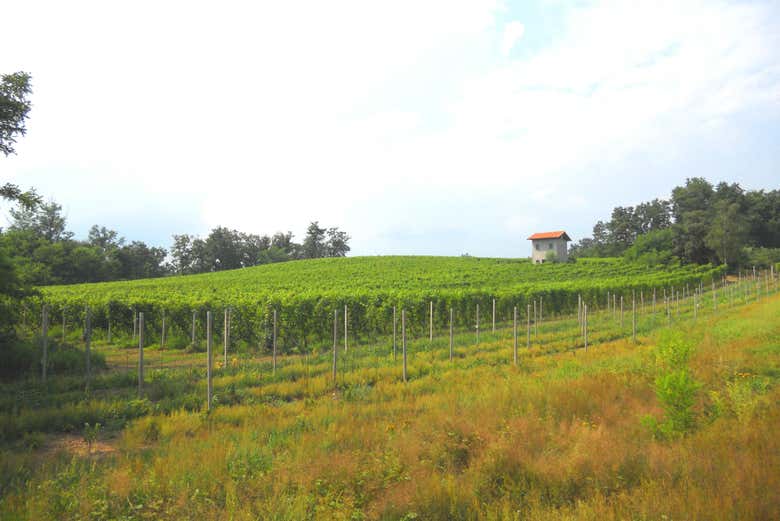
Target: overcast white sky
(419, 127)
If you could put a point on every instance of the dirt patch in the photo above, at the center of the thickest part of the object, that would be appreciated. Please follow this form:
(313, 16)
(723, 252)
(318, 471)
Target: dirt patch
(75, 445)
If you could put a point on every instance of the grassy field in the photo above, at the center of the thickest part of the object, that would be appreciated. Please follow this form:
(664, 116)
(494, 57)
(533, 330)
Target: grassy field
(679, 425)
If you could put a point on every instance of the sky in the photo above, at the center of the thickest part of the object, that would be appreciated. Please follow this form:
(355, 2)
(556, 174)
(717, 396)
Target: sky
(438, 127)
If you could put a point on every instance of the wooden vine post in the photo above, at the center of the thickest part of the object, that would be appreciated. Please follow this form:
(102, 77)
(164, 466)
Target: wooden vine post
(528, 327)
(633, 317)
(395, 332)
(336, 339)
(494, 316)
(585, 311)
(45, 340)
(140, 355)
(451, 333)
(87, 342)
(192, 340)
(614, 305)
(403, 340)
(209, 359)
(346, 334)
(108, 324)
(273, 355)
(514, 333)
(162, 339)
(226, 338)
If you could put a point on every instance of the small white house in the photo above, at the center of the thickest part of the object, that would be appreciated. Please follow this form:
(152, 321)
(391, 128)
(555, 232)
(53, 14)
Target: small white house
(542, 244)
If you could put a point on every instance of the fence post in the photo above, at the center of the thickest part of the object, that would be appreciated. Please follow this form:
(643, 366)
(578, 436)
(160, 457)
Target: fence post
(87, 342)
(209, 359)
(451, 312)
(403, 340)
(514, 332)
(273, 359)
(45, 340)
(336, 336)
(140, 355)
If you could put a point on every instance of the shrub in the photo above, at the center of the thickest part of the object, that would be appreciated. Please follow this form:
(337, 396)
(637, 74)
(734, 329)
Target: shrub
(677, 392)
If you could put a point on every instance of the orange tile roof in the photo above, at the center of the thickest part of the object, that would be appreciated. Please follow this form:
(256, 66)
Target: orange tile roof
(550, 235)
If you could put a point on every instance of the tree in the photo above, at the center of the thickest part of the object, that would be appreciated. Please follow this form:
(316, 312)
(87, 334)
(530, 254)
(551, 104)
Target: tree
(728, 231)
(652, 248)
(139, 261)
(28, 200)
(45, 220)
(314, 245)
(14, 107)
(105, 239)
(338, 243)
(223, 250)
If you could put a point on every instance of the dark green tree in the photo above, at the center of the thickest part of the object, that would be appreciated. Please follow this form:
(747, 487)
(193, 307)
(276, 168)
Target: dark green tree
(14, 108)
(314, 244)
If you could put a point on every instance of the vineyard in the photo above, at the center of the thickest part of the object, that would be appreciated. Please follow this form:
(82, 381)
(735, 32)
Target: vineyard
(305, 294)
(546, 411)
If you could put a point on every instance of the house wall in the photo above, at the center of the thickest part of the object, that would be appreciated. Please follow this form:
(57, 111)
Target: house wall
(540, 254)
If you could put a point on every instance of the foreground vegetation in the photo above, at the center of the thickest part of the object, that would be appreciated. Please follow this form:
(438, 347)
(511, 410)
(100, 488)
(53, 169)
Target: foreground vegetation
(681, 424)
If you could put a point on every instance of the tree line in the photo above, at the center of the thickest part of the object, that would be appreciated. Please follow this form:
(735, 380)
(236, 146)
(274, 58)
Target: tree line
(43, 251)
(701, 223)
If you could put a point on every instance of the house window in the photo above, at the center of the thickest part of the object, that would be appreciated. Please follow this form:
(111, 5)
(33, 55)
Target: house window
(550, 246)
(538, 246)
